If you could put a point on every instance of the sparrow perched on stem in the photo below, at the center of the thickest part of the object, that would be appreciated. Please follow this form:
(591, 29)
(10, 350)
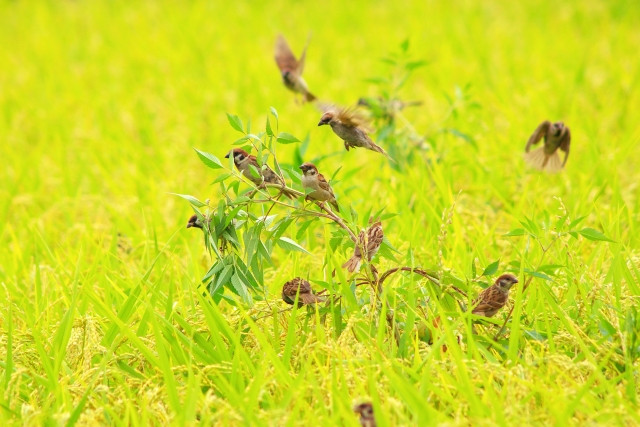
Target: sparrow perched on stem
(365, 410)
(301, 286)
(351, 128)
(556, 135)
(291, 68)
(494, 297)
(248, 166)
(322, 191)
(370, 241)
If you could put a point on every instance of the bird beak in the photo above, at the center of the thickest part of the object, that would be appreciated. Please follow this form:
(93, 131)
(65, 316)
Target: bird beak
(515, 281)
(301, 168)
(189, 225)
(322, 123)
(227, 156)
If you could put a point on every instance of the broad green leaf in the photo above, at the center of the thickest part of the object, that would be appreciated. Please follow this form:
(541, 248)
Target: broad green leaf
(195, 202)
(209, 159)
(516, 232)
(288, 244)
(593, 234)
(235, 122)
(286, 138)
(491, 268)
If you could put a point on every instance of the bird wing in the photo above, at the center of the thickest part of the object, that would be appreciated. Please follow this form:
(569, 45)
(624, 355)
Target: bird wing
(284, 56)
(303, 56)
(324, 185)
(374, 239)
(540, 131)
(350, 117)
(565, 143)
(490, 299)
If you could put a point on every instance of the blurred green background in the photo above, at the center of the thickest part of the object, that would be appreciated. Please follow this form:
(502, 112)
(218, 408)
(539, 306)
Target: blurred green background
(102, 102)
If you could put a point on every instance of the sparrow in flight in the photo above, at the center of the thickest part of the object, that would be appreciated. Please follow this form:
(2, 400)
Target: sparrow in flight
(351, 128)
(494, 297)
(291, 68)
(556, 135)
(322, 191)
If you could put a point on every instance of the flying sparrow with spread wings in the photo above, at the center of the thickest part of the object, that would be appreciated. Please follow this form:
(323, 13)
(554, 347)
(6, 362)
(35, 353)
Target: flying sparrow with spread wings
(370, 241)
(494, 297)
(322, 191)
(351, 128)
(365, 410)
(291, 68)
(248, 166)
(556, 135)
(299, 286)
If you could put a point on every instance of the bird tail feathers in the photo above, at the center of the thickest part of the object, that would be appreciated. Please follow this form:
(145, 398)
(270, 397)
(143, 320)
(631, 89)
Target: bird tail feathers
(309, 97)
(352, 264)
(538, 159)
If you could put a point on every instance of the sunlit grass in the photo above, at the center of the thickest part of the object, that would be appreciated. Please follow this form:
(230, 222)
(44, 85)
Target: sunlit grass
(101, 315)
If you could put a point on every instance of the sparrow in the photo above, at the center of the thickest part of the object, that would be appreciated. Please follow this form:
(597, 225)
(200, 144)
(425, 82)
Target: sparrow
(322, 191)
(556, 135)
(351, 128)
(244, 161)
(291, 68)
(370, 241)
(301, 286)
(365, 410)
(494, 297)
(194, 221)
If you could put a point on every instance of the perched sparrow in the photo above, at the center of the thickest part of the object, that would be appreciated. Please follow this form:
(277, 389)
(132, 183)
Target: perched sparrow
(291, 68)
(194, 221)
(365, 410)
(350, 128)
(556, 135)
(299, 285)
(494, 297)
(244, 161)
(313, 180)
(370, 241)
(386, 108)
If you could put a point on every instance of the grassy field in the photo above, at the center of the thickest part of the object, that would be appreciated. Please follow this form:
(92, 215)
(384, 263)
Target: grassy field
(102, 317)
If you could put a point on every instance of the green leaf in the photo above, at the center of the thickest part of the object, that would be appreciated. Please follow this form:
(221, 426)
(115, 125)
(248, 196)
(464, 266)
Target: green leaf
(286, 138)
(404, 46)
(268, 128)
(222, 177)
(235, 122)
(491, 269)
(516, 232)
(240, 288)
(535, 335)
(209, 159)
(576, 221)
(593, 234)
(195, 202)
(274, 112)
(288, 244)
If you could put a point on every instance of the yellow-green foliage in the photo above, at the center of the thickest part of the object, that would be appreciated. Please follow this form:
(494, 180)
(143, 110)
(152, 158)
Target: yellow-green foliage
(101, 317)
